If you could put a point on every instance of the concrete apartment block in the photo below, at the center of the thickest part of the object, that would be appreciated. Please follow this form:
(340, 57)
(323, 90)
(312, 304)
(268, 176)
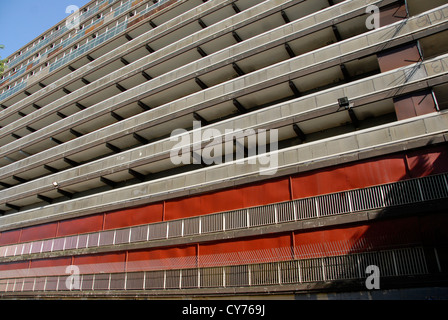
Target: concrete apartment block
(341, 162)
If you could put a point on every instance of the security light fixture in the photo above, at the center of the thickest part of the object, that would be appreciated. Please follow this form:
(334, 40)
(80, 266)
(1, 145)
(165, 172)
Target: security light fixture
(344, 103)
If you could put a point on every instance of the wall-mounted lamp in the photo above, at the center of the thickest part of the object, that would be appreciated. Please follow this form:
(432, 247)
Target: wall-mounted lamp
(344, 103)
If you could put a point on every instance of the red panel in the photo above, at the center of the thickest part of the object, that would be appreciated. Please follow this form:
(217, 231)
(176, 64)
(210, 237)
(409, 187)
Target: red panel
(424, 103)
(246, 196)
(245, 250)
(99, 258)
(39, 232)
(9, 237)
(414, 104)
(14, 265)
(384, 170)
(393, 13)
(265, 193)
(344, 240)
(229, 199)
(163, 258)
(162, 253)
(357, 175)
(56, 262)
(184, 207)
(135, 216)
(401, 56)
(107, 262)
(428, 161)
(332, 179)
(81, 225)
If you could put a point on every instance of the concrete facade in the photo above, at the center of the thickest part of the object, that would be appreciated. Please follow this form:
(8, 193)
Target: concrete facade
(86, 172)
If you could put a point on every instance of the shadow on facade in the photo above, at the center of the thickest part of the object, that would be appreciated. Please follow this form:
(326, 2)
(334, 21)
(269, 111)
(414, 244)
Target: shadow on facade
(407, 240)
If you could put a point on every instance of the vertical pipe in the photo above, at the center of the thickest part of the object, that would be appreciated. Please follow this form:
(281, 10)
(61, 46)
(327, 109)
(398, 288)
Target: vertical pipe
(104, 221)
(291, 190)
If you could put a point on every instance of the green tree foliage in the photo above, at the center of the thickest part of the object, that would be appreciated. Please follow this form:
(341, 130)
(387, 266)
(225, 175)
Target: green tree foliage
(2, 62)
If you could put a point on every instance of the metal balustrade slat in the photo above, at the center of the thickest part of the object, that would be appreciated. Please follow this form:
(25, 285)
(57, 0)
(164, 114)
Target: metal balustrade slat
(82, 241)
(261, 215)
(306, 208)
(154, 280)
(175, 229)
(93, 240)
(106, 238)
(122, 236)
(172, 279)
(189, 278)
(290, 272)
(237, 276)
(87, 282)
(235, 219)
(211, 277)
(70, 242)
(311, 270)
(139, 233)
(157, 231)
(134, 281)
(285, 212)
(434, 187)
(191, 226)
(117, 281)
(101, 281)
(212, 223)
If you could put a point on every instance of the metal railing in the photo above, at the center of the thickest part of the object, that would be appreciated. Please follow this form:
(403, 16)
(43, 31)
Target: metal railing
(391, 263)
(80, 51)
(376, 197)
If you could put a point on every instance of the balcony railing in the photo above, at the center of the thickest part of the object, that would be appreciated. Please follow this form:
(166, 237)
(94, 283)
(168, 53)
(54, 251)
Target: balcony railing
(347, 202)
(391, 263)
(80, 51)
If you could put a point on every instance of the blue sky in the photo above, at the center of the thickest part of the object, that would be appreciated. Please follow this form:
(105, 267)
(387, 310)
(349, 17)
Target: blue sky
(23, 20)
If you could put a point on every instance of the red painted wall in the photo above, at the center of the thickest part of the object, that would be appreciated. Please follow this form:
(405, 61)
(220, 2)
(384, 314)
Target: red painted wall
(351, 176)
(80, 225)
(386, 169)
(276, 190)
(156, 258)
(135, 216)
(39, 232)
(10, 237)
